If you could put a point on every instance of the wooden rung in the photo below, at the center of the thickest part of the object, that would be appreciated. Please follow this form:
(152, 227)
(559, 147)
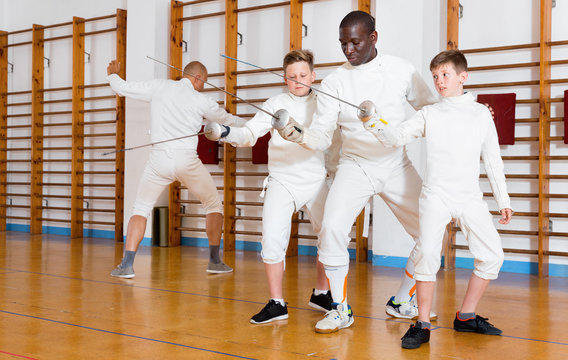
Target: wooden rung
(514, 195)
(17, 126)
(16, 149)
(556, 196)
(15, 161)
(19, 104)
(527, 120)
(251, 218)
(522, 158)
(15, 206)
(98, 172)
(98, 32)
(242, 159)
(528, 138)
(55, 184)
(259, 86)
(17, 92)
(58, 38)
(57, 25)
(56, 89)
(557, 81)
(509, 232)
(249, 101)
(98, 210)
(55, 160)
(527, 101)
(111, 16)
(503, 84)
(310, 237)
(501, 48)
(15, 217)
(54, 208)
(250, 173)
(110, 223)
(55, 220)
(96, 147)
(557, 234)
(260, 7)
(56, 196)
(99, 135)
(191, 215)
(190, 229)
(98, 197)
(557, 215)
(512, 251)
(54, 148)
(17, 183)
(248, 203)
(517, 213)
(15, 194)
(240, 232)
(55, 101)
(93, 86)
(49, 113)
(557, 177)
(18, 44)
(97, 122)
(15, 172)
(194, 2)
(17, 115)
(93, 98)
(58, 172)
(57, 124)
(98, 185)
(189, 202)
(556, 138)
(245, 188)
(202, 16)
(97, 110)
(96, 160)
(18, 31)
(514, 176)
(504, 66)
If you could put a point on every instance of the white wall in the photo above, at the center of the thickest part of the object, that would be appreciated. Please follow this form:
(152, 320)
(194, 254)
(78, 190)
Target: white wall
(413, 29)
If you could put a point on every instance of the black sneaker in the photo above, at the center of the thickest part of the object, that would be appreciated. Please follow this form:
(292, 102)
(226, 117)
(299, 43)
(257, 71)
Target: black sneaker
(271, 311)
(415, 336)
(478, 324)
(322, 301)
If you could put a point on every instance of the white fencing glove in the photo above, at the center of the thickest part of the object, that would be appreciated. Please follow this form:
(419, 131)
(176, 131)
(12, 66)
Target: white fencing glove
(214, 131)
(293, 131)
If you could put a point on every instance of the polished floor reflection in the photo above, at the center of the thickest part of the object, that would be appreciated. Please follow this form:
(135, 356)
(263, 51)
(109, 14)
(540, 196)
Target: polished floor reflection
(58, 301)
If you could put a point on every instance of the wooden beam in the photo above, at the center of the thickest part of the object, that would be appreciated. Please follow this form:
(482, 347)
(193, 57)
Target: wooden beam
(452, 35)
(362, 243)
(544, 134)
(296, 12)
(120, 129)
(77, 143)
(453, 24)
(365, 5)
(3, 126)
(230, 153)
(176, 59)
(36, 188)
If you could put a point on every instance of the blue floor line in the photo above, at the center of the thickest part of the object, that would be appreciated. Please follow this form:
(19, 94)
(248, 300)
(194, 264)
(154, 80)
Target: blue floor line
(251, 302)
(127, 335)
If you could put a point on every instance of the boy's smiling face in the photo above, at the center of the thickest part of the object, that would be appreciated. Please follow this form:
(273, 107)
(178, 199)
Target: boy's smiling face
(447, 81)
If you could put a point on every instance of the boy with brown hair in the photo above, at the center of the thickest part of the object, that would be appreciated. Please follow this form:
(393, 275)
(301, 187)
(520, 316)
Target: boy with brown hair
(458, 130)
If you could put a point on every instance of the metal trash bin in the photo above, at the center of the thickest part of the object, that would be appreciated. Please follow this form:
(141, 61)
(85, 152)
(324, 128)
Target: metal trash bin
(160, 226)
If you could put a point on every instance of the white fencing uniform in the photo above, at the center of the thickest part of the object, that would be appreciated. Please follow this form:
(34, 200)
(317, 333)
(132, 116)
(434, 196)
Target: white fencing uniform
(177, 109)
(366, 166)
(457, 130)
(296, 174)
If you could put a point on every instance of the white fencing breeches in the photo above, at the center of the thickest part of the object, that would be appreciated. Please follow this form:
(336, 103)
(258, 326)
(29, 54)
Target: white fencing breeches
(168, 165)
(477, 225)
(351, 190)
(279, 205)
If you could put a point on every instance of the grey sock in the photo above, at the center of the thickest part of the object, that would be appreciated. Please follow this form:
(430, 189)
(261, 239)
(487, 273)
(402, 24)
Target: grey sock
(128, 259)
(214, 254)
(423, 325)
(465, 316)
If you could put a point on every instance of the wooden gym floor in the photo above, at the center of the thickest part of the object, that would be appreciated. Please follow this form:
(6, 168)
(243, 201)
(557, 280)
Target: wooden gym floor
(58, 301)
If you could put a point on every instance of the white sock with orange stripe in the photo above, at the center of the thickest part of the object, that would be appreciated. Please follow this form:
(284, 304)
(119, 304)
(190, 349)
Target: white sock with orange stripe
(337, 277)
(408, 286)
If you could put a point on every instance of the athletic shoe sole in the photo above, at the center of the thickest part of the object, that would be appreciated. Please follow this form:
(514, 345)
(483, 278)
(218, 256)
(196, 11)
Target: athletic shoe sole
(281, 317)
(329, 331)
(317, 307)
(392, 312)
(219, 271)
(129, 276)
